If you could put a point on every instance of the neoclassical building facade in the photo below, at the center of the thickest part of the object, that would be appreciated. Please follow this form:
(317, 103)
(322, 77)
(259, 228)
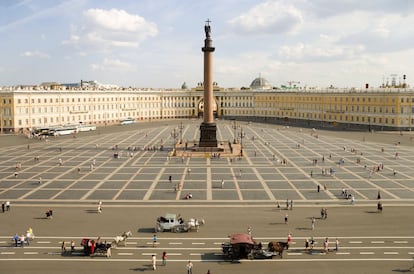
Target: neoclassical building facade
(25, 108)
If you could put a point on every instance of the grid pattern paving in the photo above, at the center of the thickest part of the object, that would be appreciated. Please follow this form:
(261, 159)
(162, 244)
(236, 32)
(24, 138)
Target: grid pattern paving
(312, 159)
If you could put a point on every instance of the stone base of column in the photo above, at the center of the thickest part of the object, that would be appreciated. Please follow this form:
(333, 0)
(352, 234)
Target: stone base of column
(208, 135)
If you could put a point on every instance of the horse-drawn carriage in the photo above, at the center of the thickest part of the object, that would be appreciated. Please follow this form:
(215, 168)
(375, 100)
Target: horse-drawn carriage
(96, 248)
(242, 246)
(175, 223)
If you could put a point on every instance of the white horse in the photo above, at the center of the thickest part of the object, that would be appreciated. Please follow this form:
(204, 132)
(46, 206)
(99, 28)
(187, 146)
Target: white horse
(121, 239)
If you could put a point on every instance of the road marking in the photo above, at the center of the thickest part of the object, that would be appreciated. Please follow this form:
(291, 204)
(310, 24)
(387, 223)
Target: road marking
(7, 253)
(198, 243)
(294, 254)
(148, 254)
(131, 243)
(217, 243)
(44, 242)
(391, 253)
(31, 253)
(400, 242)
(125, 254)
(196, 254)
(366, 253)
(175, 243)
(175, 254)
(377, 242)
(355, 242)
(411, 253)
(3, 242)
(342, 253)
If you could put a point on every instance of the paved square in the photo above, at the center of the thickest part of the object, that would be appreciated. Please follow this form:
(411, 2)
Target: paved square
(90, 171)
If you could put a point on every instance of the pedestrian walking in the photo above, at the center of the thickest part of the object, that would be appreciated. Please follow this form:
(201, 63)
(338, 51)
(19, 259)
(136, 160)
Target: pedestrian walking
(16, 239)
(72, 246)
(311, 243)
(289, 238)
(40, 180)
(291, 204)
(7, 205)
(100, 207)
(379, 195)
(208, 271)
(170, 178)
(63, 247)
(336, 244)
(164, 258)
(249, 231)
(28, 235)
(189, 267)
(286, 219)
(319, 188)
(352, 199)
(154, 262)
(306, 244)
(3, 207)
(222, 183)
(326, 245)
(22, 240)
(154, 240)
(313, 223)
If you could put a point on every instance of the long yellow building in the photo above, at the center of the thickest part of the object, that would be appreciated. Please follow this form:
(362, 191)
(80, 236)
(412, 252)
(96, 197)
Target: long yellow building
(25, 108)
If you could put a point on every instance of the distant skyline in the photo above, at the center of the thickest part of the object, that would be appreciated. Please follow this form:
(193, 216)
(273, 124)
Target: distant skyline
(157, 43)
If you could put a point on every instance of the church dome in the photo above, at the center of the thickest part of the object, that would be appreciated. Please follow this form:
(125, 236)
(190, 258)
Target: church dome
(260, 83)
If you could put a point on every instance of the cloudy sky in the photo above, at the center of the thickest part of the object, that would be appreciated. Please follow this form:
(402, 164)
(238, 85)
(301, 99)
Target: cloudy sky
(157, 43)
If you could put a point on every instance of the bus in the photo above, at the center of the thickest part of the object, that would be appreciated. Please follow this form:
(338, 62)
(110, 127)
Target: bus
(41, 131)
(128, 121)
(64, 130)
(86, 127)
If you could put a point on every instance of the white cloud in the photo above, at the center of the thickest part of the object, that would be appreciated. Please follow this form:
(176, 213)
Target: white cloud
(111, 29)
(269, 17)
(36, 54)
(112, 64)
(120, 20)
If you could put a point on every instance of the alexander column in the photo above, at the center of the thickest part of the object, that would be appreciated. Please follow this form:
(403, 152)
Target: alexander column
(208, 128)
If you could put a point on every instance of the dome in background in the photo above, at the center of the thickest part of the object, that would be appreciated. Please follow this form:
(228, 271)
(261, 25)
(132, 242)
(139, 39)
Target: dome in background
(260, 83)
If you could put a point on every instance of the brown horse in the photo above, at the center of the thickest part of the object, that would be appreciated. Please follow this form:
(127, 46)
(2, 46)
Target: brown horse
(278, 247)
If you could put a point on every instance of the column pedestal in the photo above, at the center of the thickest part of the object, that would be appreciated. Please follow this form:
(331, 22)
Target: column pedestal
(208, 135)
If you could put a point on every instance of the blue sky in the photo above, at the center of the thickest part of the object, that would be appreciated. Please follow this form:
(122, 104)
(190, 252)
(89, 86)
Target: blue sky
(157, 43)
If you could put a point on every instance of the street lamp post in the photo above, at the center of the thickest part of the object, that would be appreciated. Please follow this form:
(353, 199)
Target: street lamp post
(181, 127)
(241, 134)
(174, 134)
(234, 126)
